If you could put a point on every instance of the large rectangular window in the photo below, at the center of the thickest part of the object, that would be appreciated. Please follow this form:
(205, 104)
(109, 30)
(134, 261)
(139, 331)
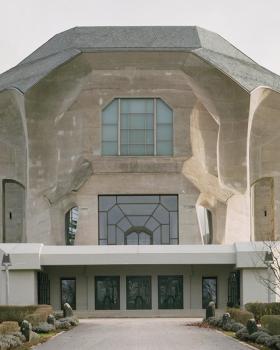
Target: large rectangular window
(138, 292)
(68, 292)
(209, 291)
(137, 127)
(170, 292)
(107, 293)
(138, 219)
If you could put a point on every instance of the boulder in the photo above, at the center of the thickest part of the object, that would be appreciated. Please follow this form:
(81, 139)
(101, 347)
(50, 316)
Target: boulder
(67, 310)
(44, 327)
(51, 320)
(252, 326)
(26, 329)
(226, 322)
(210, 310)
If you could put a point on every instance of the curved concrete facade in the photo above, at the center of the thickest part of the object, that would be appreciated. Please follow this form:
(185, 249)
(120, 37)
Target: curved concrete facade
(225, 136)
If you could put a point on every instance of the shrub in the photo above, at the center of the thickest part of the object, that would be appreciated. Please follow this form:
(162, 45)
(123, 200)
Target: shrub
(9, 327)
(271, 323)
(19, 313)
(9, 341)
(261, 309)
(241, 316)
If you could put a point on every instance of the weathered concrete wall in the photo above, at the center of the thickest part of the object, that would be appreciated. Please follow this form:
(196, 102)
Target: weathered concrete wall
(13, 159)
(263, 209)
(238, 219)
(63, 122)
(69, 151)
(23, 287)
(252, 290)
(13, 212)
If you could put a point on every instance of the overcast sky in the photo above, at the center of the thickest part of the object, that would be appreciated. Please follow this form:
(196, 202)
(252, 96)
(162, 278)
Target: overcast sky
(251, 25)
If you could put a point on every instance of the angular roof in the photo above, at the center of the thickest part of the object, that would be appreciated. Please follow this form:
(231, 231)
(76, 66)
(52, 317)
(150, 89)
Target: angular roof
(209, 46)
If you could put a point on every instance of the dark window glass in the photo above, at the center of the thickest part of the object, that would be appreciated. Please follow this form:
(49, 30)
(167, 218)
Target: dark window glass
(71, 221)
(107, 293)
(138, 219)
(138, 292)
(209, 291)
(170, 292)
(68, 292)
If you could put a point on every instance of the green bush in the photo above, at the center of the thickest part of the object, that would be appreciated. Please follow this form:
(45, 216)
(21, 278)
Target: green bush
(19, 313)
(261, 309)
(271, 323)
(239, 315)
(9, 327)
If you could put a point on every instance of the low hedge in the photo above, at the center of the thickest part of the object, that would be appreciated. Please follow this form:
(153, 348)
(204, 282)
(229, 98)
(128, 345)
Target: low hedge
(19, 313)
(271, 323)
(239, 315)
(9, 327)
(261, 309)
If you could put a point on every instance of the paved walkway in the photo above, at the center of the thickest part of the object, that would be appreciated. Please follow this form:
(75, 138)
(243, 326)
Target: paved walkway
(142, 334)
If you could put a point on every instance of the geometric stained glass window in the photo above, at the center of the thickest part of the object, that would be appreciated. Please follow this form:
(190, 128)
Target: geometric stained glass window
(138, 292)
(138, 219)
(170, 292)
(107, 293)
(137, 127)
(71, 221)
(68, 292)
(209, 291)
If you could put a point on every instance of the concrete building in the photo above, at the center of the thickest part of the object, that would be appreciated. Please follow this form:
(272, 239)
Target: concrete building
(139, 170)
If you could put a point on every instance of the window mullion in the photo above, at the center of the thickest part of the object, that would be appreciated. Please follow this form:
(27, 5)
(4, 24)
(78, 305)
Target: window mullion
(155, 126)
(119, 126)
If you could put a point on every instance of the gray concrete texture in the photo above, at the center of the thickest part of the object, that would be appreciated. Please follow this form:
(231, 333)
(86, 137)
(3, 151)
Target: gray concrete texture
(225, 135)
(144, 334)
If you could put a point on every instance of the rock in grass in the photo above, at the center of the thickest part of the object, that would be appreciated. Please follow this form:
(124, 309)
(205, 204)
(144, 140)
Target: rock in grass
(226, 322)
(44, 327)
(26, 329)
(210, 310)
(67, 310)
(252, 326)
(51, 320)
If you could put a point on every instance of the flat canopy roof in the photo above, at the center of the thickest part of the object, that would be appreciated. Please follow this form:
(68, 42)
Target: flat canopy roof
(33, 256)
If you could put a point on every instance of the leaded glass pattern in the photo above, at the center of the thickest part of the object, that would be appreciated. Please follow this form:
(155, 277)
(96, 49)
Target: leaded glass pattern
(138, 219)
(170, 292)
(107, 292)
(137, 127)
(138, 293)
(68, 292)
(209, 291)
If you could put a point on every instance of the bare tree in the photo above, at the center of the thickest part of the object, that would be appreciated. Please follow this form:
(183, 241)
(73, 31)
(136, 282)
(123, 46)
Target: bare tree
(270, 258)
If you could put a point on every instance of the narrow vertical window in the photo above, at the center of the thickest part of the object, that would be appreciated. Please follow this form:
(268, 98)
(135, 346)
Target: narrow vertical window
(209, 291)
(68, 292)
(71, 221)
(137, 127)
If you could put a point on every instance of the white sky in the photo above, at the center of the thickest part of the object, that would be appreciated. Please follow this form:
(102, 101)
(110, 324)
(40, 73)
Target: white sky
(251, 25)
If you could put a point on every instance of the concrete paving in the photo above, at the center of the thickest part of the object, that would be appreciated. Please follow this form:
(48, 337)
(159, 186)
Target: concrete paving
(142, 334)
